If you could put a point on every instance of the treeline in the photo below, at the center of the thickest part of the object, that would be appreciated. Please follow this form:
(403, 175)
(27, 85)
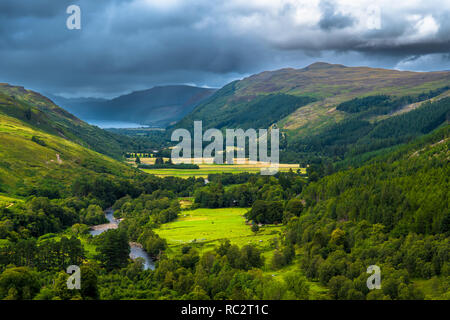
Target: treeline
(269, 188)
(392, 212)
(90, 195)
(40, 216)
(353, 137)
(109, 190)
(406, 193)
(361, 104)
(226, 178)
(269, 212)
(144, 140)
(217, 113)
(168, 166)
(227, 272)
(338, 253)
(43, 254)
(159, 207)
(20, 283)
(145, 213)
(271, 108)
(383, 104)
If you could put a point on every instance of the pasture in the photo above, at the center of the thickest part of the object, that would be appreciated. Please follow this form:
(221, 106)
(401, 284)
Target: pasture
(205, 228)
(205, 169)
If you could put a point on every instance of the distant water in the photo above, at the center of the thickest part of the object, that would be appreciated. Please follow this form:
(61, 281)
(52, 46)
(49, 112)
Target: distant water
(106, 124)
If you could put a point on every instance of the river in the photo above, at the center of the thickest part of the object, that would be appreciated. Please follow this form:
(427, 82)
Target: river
(136, 250)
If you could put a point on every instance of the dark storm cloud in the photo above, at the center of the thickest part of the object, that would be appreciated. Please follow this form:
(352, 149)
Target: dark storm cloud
(332, 19)
(408, 49)
(135, 44)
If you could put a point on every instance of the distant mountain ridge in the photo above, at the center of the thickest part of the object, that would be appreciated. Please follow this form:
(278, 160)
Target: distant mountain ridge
(330, 110)
(158, 106)
(325, 84)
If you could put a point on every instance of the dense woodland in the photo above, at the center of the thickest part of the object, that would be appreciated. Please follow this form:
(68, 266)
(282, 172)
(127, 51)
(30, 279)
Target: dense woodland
(358, 136)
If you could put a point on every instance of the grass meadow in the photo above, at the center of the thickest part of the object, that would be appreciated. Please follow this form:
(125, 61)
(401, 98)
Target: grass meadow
(205, 228)
(205, 169)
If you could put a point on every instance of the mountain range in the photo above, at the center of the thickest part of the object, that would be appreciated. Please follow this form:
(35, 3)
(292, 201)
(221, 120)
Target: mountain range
(324, 85)
(330, 110)
(159, 106)
(324, 111)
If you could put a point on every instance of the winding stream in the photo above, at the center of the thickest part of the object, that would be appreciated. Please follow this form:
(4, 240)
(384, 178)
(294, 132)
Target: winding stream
(136, 250)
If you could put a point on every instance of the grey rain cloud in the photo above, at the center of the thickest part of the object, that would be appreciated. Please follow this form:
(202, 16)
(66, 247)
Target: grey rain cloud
(127, 45)
(332, 19)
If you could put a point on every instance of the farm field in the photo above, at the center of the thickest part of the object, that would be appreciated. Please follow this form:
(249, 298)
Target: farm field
(204, 228)
(434, 288)
(205, 169)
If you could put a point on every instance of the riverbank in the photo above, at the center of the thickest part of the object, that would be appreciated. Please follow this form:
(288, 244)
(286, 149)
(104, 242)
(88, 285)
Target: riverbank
(136, 249)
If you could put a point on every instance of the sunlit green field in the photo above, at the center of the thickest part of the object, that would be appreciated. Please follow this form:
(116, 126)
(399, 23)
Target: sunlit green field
(204, 228)
(206, 169)
(436, 288)
(8, 201)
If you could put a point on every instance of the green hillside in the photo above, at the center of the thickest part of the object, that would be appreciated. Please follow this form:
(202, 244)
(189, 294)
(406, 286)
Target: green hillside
(392, 212)
(34, 159)
(357, 135)
(326, 85)
(42, 114)
(326, 109)
(44, 149)
(227, 109)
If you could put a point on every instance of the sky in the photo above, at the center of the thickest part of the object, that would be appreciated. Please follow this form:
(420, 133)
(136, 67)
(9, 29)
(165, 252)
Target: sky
(128, 45)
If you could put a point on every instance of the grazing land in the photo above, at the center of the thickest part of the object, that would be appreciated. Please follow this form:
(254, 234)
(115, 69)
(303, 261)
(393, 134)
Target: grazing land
(205, 228)
(205, 169)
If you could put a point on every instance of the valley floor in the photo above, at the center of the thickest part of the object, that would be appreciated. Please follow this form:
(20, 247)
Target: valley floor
(205, 228)
(206, 169)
